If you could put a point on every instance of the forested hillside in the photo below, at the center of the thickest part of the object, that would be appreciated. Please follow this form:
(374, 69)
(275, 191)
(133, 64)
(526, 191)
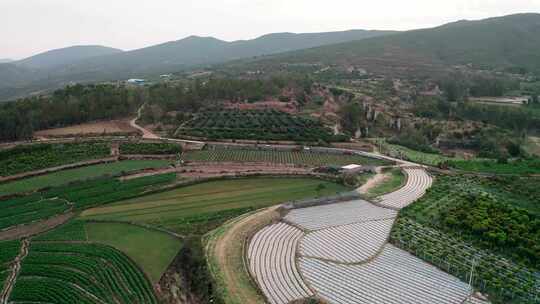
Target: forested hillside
(504, 42)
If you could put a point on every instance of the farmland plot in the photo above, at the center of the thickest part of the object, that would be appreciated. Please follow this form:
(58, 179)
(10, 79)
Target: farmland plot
(271, 256)
(311, 159)
(418, 182)
(79, 273)
(353, 243)
(321, 217)
(394, 277)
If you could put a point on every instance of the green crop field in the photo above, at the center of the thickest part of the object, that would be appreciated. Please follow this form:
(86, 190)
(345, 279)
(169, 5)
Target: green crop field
(186, 208)
(50, 272)
(8, 251)
(395, 181)
(152, 250)
(280, 157)
(40, 156)
(150, 148)
(430, 159)
(78, 196)
(28, 209)
(83, 173)
(530, 166)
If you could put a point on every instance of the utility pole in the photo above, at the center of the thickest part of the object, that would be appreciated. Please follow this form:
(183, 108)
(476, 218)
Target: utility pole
(473, 264)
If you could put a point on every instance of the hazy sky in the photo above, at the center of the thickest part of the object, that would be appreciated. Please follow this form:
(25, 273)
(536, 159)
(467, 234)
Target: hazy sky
(31, 26)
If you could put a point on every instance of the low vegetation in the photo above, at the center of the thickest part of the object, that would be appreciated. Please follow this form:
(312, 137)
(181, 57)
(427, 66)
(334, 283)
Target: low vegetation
(152, 250)
(8, 251)
(520, 166)
(199, 208)
(35, 157)
(25, 210)
(79, 174)
(312, 159)
(101, 274)
(396, 179)
(77, 196)
(150, 148)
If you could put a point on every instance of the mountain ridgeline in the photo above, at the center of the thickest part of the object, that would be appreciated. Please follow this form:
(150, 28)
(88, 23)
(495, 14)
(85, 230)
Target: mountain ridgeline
(76, 64)
(510, 42)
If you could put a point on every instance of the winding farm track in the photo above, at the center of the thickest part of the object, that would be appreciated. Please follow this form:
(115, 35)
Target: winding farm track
(342, 254)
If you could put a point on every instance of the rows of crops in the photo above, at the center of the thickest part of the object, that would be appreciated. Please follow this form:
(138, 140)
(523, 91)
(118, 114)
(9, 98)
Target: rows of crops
(503, 279)
(40, 206)
(485, 213)
(79, 273)
(26, 210)
(312, 159)
(8, 251)
(256, 125)
(40, 156)
(72, 231)
(150, 148)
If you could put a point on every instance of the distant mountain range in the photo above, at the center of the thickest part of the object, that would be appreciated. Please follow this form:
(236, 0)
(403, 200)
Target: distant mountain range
(66, 56)
(504, 42)
(5, 60)
(98, 63)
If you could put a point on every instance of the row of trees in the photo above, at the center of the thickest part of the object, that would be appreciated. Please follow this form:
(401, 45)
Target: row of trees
(69, 106)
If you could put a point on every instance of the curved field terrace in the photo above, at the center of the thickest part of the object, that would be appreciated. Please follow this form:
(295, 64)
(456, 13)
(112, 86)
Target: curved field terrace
(343, 254)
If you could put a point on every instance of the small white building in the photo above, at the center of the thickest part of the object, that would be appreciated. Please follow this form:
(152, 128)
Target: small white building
(352, 168)
(136, 81)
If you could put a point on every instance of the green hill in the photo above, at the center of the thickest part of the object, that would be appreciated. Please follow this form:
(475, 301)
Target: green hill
(502, 42)
(47, 70)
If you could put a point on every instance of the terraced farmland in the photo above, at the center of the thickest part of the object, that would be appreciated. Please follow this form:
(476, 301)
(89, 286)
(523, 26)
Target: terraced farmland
(343, 244)
(312, 159)
(271, 256)
(8, 251)
(418, 181)
(25, 210)
(321, 217)
(394, 277)
(343, 255)
(79, 273)
(79, 174)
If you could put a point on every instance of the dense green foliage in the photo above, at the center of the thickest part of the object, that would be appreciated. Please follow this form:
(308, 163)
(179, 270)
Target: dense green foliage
(499, 214)
(256, 125)
(520, 166)
(69, 106)
(63, 177)
(312, 159)
(97, 271)
(21, 211)
(505, 281)
(8, 251)
(40, 156)
(150, 148)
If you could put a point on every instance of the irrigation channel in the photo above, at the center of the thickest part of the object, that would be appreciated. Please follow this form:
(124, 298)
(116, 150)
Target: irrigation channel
(340, 253)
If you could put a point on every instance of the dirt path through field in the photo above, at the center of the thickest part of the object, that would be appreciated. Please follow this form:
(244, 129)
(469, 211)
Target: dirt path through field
(374, 181)
(146, 134)
(16, 268)
(228, 253)
(35, 228)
